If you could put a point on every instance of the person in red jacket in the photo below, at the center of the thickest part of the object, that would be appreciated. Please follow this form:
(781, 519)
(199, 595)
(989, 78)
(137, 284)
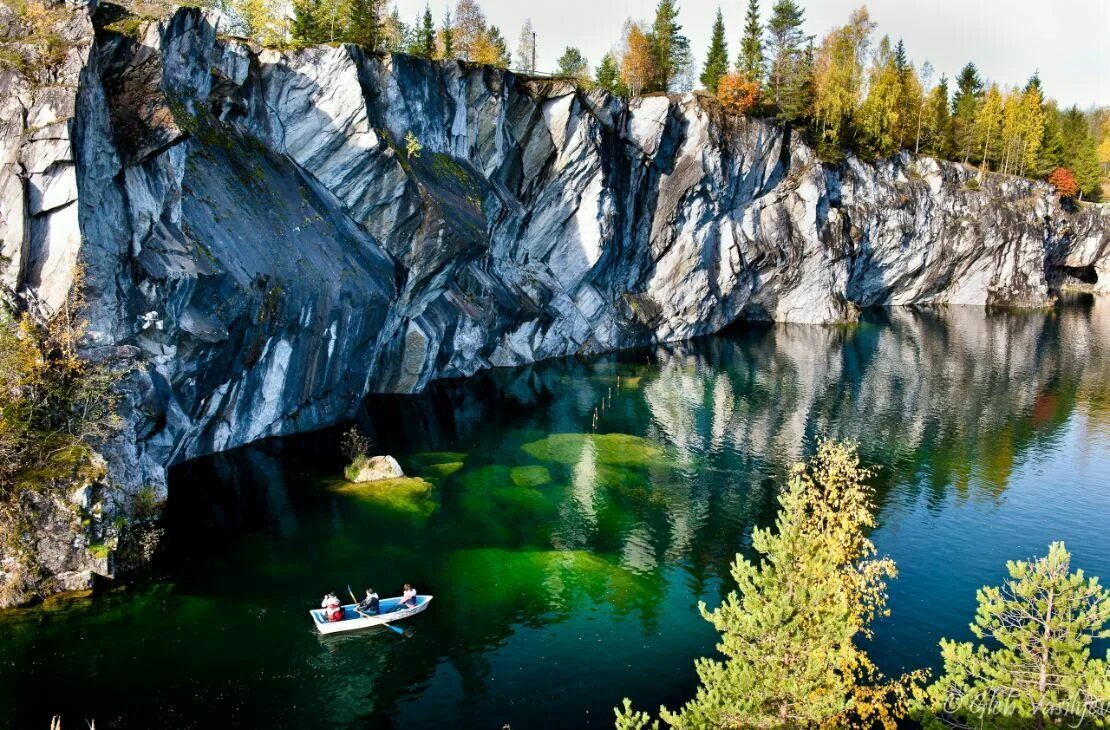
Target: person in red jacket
(333, 609)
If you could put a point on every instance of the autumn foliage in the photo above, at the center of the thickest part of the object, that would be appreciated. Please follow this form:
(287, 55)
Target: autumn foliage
(737, 93)
(1064, 181)
(54, 403)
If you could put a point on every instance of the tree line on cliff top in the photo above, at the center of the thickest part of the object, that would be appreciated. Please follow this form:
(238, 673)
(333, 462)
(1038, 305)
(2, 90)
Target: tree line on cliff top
(847, 92)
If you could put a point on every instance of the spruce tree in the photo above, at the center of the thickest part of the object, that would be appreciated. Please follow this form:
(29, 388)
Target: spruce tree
(670, 48)
(1034, 668)
(901, 62)
(424, 40)
(305, 26)
(608, 75)
(1051, 154)
(750, 63)
(505, 57)
(965, 105)
(716, 60)
(936, 141)
(786, 46)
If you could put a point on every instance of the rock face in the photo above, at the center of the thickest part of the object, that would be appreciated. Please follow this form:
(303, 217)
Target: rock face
(262, 252)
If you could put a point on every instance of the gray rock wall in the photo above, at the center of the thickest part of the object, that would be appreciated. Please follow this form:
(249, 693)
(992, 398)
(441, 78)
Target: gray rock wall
(262, 251)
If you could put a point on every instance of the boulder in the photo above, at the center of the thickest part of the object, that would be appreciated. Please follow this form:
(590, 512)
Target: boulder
(373, 469)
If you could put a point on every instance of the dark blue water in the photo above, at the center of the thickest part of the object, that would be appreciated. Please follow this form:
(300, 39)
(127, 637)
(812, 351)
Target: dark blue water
(567, 561)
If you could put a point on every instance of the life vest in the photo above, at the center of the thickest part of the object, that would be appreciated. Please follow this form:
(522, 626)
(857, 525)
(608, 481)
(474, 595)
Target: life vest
(334, 611)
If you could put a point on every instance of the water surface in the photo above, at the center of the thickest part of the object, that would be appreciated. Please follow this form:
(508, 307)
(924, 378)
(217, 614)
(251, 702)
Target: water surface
(569, 516)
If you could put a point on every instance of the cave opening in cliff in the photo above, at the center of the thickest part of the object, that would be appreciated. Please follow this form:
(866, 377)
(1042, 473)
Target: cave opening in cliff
(1085, 274)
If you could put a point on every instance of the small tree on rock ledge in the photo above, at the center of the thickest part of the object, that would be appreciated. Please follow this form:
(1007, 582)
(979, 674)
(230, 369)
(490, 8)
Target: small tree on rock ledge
(1064, 181)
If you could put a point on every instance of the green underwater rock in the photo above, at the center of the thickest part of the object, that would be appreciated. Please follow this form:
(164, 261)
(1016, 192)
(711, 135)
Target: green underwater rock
(530, 476)
(406, 495)
(614, 449)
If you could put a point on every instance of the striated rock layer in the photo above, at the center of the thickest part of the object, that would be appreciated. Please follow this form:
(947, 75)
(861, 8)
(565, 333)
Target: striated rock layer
(263, 249)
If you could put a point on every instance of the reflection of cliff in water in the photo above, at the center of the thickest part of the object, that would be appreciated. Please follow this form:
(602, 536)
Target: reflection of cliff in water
(534, 519)
(944, 396)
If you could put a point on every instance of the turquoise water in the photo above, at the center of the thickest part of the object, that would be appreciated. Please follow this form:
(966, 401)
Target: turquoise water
(567, 560)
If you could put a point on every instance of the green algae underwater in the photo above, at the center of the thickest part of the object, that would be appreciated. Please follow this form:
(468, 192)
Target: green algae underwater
(568, 517)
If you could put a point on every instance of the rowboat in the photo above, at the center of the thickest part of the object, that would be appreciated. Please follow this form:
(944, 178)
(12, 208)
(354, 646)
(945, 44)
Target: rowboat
(353, 621)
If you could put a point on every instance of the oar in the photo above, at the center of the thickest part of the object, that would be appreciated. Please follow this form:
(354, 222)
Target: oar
(360, 613)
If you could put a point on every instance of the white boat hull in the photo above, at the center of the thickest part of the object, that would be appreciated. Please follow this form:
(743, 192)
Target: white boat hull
(352, 621)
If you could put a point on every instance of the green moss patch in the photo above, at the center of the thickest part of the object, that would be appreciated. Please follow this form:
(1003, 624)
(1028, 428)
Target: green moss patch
(530, 476)
(407, 495)
(438, 472)
(615, 449)
(429, 458)
(548, 579)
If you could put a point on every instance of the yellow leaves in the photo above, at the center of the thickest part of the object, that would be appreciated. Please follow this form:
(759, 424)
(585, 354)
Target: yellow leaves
(737, 93)
(52, 400)
(637, 59)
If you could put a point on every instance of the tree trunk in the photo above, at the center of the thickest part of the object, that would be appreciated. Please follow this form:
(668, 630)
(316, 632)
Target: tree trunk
(917, 142)
(986, 146)
(1042, 678)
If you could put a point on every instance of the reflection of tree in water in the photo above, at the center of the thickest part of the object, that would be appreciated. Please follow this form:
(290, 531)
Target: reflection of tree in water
(546, 519)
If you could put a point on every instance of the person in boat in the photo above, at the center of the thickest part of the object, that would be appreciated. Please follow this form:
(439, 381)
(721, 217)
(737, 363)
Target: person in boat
(333, 609)
(369, 606)
(408, 598)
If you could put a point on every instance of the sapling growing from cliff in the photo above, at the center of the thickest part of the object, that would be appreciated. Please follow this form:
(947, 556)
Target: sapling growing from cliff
(412, 146)
(55, 404)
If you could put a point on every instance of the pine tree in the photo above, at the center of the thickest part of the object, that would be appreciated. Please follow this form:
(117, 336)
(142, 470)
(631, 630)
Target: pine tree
(751, 63)
(609, 76)
(670, 48)
(305, 27)
(1036, 668)
(787, 76)
(716, 60)
(362, 23)
(573, 64)
(791, 632)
